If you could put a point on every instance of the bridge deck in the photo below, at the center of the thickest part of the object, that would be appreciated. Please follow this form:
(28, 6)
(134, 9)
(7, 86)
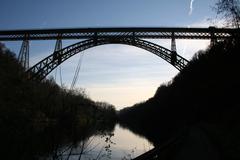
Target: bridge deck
(139, 32)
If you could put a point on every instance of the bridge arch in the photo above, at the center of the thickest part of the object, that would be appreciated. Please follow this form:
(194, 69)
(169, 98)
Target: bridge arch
(40, 70)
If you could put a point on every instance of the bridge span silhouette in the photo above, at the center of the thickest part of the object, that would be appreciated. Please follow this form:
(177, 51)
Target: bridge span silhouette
(91, 37)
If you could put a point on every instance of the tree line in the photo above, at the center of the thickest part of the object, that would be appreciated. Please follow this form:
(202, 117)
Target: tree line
(205, 94)
(37, 117)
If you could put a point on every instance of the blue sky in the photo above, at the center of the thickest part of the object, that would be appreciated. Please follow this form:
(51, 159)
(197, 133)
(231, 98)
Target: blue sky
(119, 74)
(89, 13)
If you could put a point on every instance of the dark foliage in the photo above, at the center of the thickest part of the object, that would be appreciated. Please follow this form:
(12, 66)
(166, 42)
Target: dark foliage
(28, 108)
(230, 11)
(204, 94)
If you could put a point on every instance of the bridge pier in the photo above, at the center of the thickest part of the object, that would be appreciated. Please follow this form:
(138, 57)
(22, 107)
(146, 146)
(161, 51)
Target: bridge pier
(173, 49)
(58, 47)
(173, 57)
(213, 39)
(57, 55)
(23, 56)
(173, 43)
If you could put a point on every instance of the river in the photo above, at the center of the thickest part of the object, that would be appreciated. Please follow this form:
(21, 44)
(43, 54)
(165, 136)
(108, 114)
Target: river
(119, 144)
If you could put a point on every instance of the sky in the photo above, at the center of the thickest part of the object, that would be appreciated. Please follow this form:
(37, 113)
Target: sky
(118, 74)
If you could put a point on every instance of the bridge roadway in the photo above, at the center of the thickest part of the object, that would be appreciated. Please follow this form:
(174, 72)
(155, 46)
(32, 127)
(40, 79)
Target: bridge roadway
(139, 32)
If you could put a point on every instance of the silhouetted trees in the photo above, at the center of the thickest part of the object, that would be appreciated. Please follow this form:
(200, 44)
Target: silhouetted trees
(230, 10)
(28, 108)
(45, 100)
(205, 94)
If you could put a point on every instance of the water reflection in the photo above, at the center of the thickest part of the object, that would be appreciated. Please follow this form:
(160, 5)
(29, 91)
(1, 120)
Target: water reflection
(87, 149)
(118, 144)
(72, 143)
(128, 144)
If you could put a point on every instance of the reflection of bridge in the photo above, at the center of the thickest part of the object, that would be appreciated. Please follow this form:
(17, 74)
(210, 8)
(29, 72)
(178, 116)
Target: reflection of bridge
(98, 36)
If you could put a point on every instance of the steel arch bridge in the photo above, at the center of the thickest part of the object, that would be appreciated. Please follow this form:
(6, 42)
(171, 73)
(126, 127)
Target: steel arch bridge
(40, 70)
(99, 36)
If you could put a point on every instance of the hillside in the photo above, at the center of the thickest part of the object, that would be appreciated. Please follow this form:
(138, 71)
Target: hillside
(204, 95)
(37, 118)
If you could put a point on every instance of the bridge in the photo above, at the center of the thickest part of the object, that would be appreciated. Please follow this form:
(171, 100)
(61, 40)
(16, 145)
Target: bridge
(91, 37)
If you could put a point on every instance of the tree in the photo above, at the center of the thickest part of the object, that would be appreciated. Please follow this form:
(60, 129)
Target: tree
(230, 11)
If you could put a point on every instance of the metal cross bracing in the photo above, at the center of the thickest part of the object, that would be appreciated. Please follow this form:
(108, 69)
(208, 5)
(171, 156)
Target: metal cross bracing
(58, 47)
(44, 67)
(139, 32)
(97, 36)
(23, 56)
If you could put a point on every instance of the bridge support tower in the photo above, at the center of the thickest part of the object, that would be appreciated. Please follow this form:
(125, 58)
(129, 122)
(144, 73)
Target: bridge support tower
(173, 49)
(57, 55)
(23, 56)
(58, 47)
(213, 39)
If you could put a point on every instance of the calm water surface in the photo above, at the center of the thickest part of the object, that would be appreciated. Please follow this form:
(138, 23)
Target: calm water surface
(120, 144)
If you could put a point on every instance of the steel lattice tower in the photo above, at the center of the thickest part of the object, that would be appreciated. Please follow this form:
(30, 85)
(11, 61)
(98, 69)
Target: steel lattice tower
(23, 56)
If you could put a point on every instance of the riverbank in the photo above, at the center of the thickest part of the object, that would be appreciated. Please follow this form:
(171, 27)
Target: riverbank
(204, 93)
(29, 110)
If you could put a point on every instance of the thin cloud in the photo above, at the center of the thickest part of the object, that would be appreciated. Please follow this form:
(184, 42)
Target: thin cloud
(208, 21)
(190, 8)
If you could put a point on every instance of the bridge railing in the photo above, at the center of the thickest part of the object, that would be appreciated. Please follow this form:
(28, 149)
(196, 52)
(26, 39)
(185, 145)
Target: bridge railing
(140, 32)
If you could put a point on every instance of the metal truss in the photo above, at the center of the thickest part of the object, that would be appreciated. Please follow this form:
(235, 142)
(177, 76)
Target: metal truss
(138, 32)
(23, 56)
(99, 36)
(45, 66)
